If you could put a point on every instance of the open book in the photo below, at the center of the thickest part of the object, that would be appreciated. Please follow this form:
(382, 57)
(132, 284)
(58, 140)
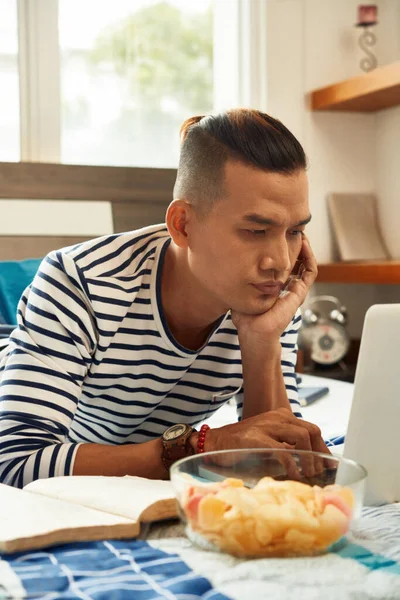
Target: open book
(71, 509)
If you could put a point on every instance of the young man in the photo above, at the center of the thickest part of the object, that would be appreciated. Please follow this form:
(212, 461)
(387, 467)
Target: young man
(126, 342)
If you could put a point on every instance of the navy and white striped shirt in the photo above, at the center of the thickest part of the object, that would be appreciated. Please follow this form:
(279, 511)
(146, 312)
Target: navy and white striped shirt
(93, 360)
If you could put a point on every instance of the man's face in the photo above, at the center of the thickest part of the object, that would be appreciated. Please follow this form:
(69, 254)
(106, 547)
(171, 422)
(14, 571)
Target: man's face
(250, 238)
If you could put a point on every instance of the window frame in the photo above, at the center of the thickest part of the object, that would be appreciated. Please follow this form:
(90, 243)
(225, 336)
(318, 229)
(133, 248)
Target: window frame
(39, 75)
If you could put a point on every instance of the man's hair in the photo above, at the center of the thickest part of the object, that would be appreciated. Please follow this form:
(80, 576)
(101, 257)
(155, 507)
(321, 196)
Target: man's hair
(243, 135)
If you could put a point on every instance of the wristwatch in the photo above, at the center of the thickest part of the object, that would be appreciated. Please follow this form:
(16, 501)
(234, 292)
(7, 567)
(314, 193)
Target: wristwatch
(176, 444)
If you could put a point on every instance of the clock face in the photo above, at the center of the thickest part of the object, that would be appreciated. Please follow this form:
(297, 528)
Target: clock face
(330, 343)
(174, 432)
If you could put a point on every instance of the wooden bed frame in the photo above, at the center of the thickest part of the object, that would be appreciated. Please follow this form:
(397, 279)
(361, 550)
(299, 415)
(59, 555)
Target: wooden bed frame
(138, 197)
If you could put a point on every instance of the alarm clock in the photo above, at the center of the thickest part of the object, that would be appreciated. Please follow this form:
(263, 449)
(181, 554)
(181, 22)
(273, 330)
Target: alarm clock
(324, 331)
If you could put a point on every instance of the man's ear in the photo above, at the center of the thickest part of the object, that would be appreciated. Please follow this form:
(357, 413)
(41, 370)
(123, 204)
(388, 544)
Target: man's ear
(179, 214)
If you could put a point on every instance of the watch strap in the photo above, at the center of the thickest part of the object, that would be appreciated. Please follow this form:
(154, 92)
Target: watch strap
(174, 450)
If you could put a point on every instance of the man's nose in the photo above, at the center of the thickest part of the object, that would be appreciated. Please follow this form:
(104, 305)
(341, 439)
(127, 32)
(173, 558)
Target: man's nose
(276, 257)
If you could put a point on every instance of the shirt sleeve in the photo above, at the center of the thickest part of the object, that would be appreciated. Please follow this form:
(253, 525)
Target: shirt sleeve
(288, 364)
(288, 361)
(42, 372)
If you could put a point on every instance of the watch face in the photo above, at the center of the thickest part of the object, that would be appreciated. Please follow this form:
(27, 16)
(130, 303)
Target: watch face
(174, 432)
(329, 344)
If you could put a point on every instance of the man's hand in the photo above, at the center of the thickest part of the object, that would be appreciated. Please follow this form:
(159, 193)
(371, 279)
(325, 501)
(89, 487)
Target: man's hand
(273, 429)
(268, 327)
(259, 340)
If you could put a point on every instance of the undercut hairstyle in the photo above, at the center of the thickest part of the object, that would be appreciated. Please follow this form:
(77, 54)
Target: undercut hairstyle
(250, 137)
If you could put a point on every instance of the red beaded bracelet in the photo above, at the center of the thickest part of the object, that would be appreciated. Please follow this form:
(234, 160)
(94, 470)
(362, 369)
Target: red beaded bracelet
(202, 437)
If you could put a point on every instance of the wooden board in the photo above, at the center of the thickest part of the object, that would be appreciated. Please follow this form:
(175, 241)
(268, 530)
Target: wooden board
(30, 246)
(362, 272)
(369, 92)
(79, 182)
(127, 217)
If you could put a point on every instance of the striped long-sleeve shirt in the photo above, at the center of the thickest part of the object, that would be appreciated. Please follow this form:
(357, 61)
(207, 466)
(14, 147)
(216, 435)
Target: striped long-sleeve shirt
(92, 359)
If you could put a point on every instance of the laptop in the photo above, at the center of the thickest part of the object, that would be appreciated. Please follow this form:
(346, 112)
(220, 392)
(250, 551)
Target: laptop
(373, 434)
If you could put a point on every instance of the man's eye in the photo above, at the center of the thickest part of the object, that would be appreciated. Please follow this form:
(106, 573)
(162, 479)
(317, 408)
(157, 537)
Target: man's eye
(256, 231)
(296, 232)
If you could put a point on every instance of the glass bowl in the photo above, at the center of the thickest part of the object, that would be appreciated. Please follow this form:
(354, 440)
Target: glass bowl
(268, 502)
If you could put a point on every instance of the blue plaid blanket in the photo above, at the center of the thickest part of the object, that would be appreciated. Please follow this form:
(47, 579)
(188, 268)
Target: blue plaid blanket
(363, 566)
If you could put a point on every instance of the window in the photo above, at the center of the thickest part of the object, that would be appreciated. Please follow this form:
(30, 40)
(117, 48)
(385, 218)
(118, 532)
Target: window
(131, 72)
(110, 82)
(9, 82)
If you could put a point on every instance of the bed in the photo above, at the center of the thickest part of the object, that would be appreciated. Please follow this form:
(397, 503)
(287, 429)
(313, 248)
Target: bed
(163, 563)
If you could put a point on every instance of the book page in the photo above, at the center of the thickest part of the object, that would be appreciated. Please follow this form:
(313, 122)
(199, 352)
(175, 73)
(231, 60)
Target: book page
(29, 521)
(134, 498)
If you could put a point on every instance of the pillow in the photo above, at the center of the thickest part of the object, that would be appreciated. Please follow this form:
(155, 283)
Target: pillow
(15, 276)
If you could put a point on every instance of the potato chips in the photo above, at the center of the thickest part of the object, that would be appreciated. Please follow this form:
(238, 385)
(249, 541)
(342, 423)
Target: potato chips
(274, 518)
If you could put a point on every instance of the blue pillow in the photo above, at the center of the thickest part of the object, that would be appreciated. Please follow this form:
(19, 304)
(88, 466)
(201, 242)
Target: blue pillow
(15, 276)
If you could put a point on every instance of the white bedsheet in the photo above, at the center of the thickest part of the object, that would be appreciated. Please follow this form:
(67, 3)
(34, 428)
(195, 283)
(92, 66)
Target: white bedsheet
(363, 566)
(331, 413)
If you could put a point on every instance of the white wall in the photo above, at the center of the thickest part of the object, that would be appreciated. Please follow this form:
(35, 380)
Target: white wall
(311, 44)
(388, 136)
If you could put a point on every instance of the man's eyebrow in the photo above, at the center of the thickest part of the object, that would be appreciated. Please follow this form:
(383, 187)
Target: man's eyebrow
(260, 220)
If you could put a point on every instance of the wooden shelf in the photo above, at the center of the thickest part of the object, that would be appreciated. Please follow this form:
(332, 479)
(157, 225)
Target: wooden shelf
(369, 92)
(361, 272)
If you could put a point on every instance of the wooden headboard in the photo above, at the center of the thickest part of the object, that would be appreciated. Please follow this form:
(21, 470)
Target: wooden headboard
(138, 197)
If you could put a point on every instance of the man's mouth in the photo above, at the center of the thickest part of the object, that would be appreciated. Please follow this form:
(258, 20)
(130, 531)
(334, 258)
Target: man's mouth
(270, 288)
